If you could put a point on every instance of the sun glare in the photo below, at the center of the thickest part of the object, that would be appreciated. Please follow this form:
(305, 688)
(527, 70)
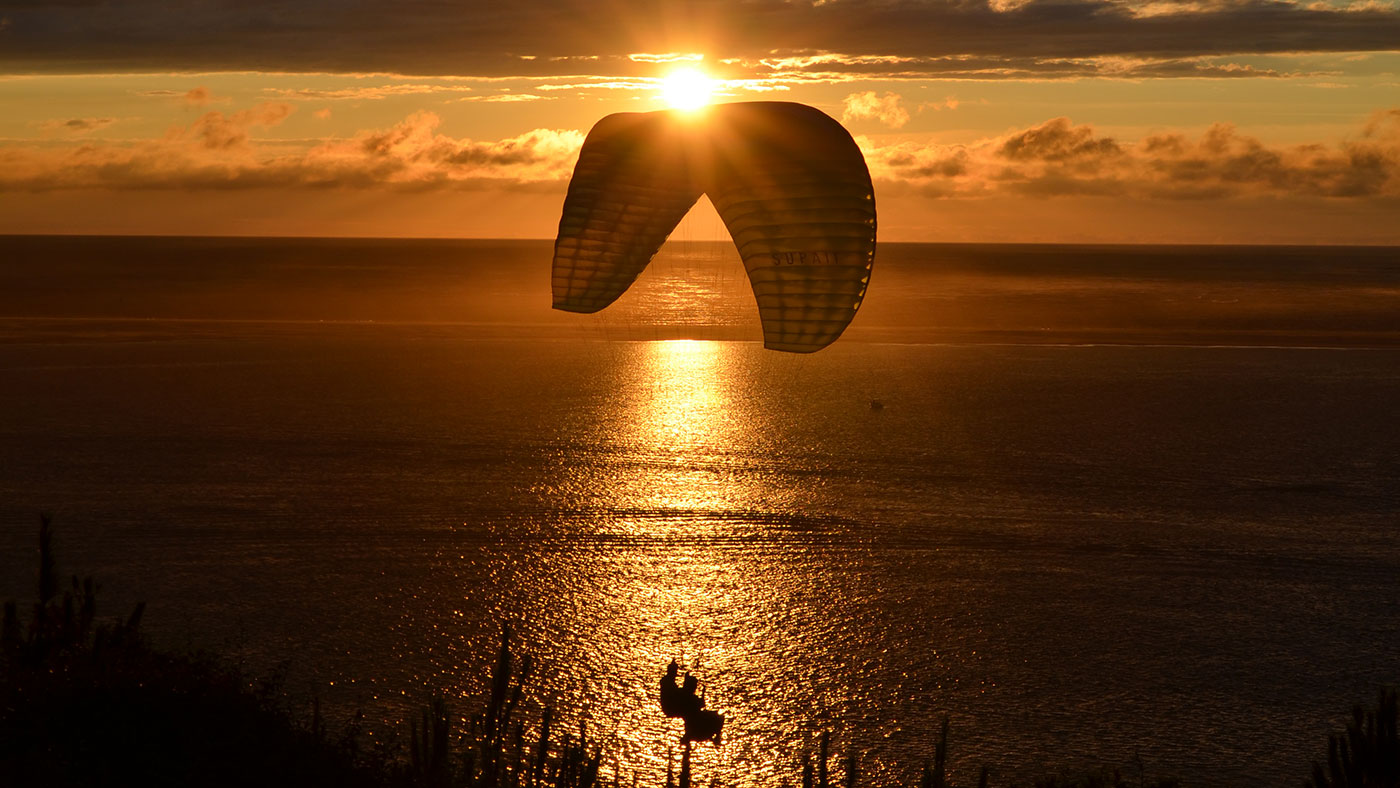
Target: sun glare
(687, 89)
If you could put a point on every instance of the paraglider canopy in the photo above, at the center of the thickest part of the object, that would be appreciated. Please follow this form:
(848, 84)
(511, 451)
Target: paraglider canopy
(788, 181)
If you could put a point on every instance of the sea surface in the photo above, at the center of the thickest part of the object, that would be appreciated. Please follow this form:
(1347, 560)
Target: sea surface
(1134, 506)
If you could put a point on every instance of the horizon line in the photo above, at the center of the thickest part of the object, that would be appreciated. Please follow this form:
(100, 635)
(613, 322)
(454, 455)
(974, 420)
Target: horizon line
(542, 239)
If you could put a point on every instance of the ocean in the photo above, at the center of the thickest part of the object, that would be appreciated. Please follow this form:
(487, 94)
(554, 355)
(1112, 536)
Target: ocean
(1119, 505)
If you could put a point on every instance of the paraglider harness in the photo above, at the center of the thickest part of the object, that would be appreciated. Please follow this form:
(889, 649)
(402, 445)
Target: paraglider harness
(682, 701)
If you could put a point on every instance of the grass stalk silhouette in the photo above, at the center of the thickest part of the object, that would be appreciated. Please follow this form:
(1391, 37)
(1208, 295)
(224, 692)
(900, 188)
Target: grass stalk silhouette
(1367, 754)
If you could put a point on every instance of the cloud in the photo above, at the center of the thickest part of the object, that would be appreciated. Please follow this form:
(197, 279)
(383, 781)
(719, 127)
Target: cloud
(669, 57)
(74, 126)
(368, 93)
(838, 68)
(1058, 158)
(415, 153)
(216, 153)
(1053, 159)
(558, 37)
(199, 97)
(1384, 124)
(949, 103)
(507, 98)
(603, 84)
(221, 132)
(886, 109)
(1057, 140)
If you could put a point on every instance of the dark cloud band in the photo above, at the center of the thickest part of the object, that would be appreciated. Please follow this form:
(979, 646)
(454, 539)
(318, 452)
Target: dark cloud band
(559, 36)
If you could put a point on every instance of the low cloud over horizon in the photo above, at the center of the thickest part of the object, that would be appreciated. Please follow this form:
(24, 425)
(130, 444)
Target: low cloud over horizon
(1059, 158)
(218, 151)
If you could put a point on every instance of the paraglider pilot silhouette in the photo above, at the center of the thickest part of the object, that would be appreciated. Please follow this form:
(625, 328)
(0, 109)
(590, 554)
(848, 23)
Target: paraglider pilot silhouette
(788, 181)
(701, 724)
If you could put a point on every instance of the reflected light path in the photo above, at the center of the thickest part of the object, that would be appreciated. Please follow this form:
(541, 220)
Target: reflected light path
(686, 418)
(673, 550)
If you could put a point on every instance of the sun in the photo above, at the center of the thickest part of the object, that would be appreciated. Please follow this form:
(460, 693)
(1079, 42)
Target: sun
(687, 89)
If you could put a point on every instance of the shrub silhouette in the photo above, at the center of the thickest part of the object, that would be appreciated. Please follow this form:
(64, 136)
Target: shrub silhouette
(1367, 755)
(84, 703)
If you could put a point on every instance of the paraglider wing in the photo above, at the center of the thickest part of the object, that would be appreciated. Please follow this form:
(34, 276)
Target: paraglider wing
(788, 181)
(793, 189)
(631, 187)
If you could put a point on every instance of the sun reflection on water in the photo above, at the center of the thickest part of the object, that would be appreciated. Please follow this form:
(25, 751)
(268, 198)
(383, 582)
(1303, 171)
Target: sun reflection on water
(687, 402)
(673, 553)
(684, 420)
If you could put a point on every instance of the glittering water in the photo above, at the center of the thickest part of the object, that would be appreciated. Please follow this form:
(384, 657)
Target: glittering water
(362, 457)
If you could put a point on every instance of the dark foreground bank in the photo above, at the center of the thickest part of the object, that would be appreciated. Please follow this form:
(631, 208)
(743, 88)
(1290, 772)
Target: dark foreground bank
(90, 703)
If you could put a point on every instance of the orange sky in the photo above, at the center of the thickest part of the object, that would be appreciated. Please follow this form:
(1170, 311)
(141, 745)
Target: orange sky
(1050, 120)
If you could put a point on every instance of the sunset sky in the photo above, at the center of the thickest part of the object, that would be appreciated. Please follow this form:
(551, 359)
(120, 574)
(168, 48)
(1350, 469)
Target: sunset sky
(1214, 121)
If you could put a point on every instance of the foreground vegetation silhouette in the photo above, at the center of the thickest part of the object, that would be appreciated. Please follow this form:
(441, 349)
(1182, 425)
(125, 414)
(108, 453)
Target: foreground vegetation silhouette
(84, 703)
